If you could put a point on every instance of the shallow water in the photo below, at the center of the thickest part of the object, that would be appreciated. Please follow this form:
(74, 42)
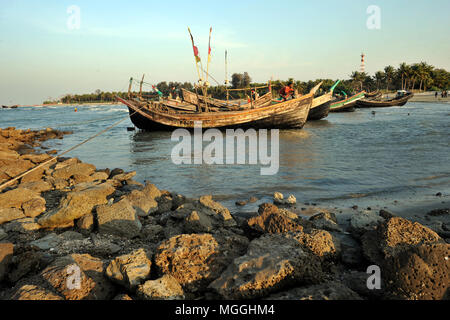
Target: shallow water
(400, 153)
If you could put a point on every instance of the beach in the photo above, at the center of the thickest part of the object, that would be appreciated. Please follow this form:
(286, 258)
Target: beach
(129, 240)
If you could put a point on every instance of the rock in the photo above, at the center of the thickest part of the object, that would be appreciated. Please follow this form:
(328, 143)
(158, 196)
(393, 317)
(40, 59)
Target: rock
(27, 262)
(357, 281)
(6, 254)
(153, 232)
(198, 222)
(439, 212)
(396, 233)
(278, 198)
(332, 290)
(326, 221)
(10, 214)
(33, 176)
(86, 224)
(49, 241)
(130, 270)
(123, 296)
(70, 236)
(364, 221)
(24, 225)
(386, 214)
(62, 276)
(270, 220)
(115, 172)
(351, 251)
(420, 272)
(3, 234)
(118, 219)
(17, 197)
(124, 176)
(241, 203)
(102, 176)
(164, 288)
(76, 205)
(37, 186)
(34, 207)
(33, 292)
(219, 209)
(36, 158)
(319, 242)
(74, 169)
(272, 262)
(196, 259)
(141, 203)
(253, 199)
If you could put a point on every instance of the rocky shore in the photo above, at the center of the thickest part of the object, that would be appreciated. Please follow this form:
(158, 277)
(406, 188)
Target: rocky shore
(70, 231)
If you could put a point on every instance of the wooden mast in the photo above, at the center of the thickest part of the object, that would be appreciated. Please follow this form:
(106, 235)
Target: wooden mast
(129, 88)
(140, 86)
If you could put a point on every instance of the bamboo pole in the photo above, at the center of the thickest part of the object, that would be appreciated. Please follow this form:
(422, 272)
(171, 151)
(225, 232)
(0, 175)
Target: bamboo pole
(140, 87)
(129, 87)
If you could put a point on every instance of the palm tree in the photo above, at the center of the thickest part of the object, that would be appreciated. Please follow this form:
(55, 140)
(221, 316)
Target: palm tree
(379, 77)
(358, 78)
(414, 74)
(403, 72)
(389, 71)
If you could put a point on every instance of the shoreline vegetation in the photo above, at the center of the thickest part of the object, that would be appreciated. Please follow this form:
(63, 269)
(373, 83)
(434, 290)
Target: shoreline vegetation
(416, 77)
(128, 240)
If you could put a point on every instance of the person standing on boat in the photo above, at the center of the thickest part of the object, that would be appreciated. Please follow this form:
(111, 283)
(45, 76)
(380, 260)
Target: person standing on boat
(287, 91)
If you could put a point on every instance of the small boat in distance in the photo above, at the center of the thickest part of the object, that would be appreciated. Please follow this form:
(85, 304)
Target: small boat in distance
(347, 105)
(400, 99)
(374, 95)
(10, 107)
(321, 105)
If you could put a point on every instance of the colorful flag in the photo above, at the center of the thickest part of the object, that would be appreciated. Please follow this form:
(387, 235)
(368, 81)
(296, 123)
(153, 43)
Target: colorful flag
(197, 57)
(209, 45)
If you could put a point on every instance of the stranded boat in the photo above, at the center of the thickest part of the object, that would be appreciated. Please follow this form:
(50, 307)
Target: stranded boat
(400, 99)
(347, 105)
(321, 105)
(155, 115)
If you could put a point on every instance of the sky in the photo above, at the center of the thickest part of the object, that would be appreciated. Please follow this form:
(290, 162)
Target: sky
(43, 56)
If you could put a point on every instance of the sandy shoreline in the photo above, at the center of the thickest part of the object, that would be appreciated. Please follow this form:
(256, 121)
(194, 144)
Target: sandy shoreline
(134, 241)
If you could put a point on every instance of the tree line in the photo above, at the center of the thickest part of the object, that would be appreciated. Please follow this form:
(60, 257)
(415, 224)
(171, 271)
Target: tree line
(418, 76)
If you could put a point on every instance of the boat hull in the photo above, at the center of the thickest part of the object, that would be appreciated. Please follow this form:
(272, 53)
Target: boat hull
(366, 103)
(347, 105)
(319, 112)
(289, 114)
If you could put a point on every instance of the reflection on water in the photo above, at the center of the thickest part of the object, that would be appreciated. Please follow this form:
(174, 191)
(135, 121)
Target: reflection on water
(399, 152)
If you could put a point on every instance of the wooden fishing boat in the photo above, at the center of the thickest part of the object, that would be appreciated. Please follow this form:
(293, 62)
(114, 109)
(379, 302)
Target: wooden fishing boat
(197, 99)
(321, 105)
(347, 105)
(5, 107)
(154, 116)
(400, 100)
(374, 95)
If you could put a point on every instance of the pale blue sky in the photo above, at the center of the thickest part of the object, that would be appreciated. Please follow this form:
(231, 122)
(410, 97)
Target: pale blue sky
(40, 57)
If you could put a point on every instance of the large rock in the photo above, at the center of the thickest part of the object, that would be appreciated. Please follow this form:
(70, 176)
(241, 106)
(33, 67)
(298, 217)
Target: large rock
(17, 197)
(34, 207)
(118, 219)
(203, 215)
(362, 222)
(270, 220)
(197, 259)
(271, 263)
(164, 288)
(24, 225)
(38, 186)
(62, 274)
(75, 205)
(49, 241)
(10, 214)
(143, 204)
(74, 169)
(6, 254)
(34, 292)
(398, 233)
(332, 290)
(326, 221)
(130, 270)
(420, 272)
(319, 242)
